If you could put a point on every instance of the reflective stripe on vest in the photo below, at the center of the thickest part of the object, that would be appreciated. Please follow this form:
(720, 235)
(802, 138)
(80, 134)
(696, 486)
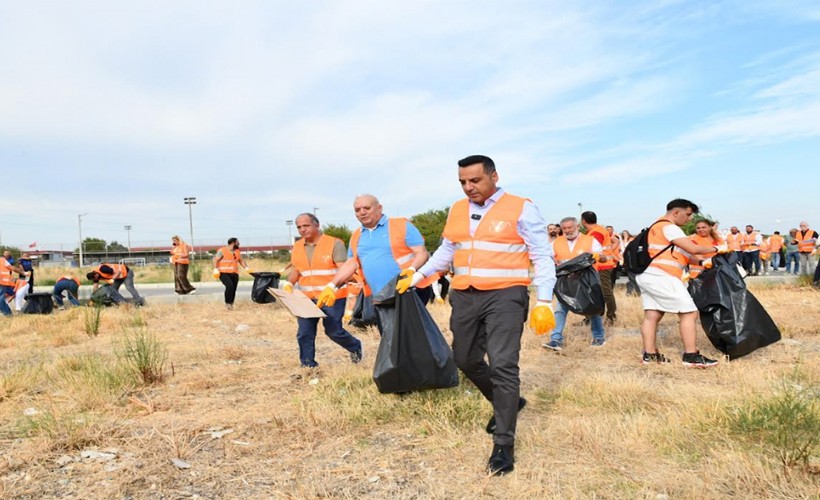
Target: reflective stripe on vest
(802, 245)
(560, 247)
(495, 256)
(6, 274)
(605, 245)
(316, 274)
(672, 260)
(229, 264)
(180, 253)
(402, 254)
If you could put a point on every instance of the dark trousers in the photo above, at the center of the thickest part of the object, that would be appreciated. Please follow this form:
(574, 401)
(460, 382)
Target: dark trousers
(69, 287)
(306, 333)
(489, 323)
(231, 281)
(750, 260)
(605, 277)
(129, 285)
(181, 283)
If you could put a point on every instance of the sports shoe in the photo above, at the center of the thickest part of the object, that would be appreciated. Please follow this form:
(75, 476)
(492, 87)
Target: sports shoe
(192, 291)
(552, 344)
(654, 357)
(697, 360)
(598, 342)
(356, 356)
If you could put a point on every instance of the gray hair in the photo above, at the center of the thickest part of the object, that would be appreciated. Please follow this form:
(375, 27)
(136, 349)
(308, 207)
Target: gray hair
(569, 219)
(310, 216)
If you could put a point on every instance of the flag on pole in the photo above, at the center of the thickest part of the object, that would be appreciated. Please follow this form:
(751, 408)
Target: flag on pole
(33, 245)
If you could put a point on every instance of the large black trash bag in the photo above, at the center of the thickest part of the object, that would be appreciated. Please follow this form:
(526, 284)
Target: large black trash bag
(733, 319)
(105, 295)
(578, 286)
(38, 303)
(413, 354)
(364, 314)
(261, 283)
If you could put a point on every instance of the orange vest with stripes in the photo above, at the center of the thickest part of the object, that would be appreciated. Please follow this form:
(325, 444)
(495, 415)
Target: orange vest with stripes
(707, 241)
(315, 274)
(6, 274)
(749, 241)
(606, 244)
(672, 260)
(229, 263)
(561, 251)
(496, 256)
(402, 254)
(802, 245)
(180, 253)
(733, 241)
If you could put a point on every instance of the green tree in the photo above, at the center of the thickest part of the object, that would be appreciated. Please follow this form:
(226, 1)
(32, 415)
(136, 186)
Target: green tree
(92, 245)
(116, 247)
(431, 224)
(15, 252)
(689, 227)
(340, 231)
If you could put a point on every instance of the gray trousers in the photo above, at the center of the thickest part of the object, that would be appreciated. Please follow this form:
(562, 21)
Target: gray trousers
(129, 285)
(806, 263)
(489, 323)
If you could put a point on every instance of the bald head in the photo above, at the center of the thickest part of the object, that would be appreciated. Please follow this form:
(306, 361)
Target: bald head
(368, 210)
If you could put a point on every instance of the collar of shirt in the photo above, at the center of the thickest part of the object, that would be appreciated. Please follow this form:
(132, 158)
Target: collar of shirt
(382, 221)
(480, 210)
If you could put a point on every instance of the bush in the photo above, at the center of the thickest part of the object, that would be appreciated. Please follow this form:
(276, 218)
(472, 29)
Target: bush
(143, 354)
(92, 316)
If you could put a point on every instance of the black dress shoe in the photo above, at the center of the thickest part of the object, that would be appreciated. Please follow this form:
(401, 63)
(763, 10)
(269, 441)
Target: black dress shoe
(502, 460)
(491, 424)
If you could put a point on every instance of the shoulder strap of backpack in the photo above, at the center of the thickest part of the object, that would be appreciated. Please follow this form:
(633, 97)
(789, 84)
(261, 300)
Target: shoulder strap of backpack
(667, 247)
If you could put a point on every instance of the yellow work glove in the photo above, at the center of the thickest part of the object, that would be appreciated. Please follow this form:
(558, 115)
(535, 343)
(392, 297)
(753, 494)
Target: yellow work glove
(706, 263)
(439, 300)
(328, 296)
(287, 287)
(408, 279)
(596, 257)
(542, 320)
(348, 316)
(248, 270)
(216, 273)
(722, 248)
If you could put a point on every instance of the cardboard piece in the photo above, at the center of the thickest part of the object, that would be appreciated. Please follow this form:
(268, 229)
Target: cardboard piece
(297, 303)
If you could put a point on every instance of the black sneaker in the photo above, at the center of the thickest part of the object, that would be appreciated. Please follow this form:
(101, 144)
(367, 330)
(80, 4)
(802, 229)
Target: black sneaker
(697, 360)
(356, 356)
(654, 357)
(491, 423)
(502, 460)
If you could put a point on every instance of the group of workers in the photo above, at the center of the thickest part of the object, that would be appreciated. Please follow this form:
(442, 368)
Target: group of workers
(496, 245)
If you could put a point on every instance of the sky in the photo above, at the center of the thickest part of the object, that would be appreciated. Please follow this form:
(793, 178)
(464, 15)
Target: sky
(264, 110)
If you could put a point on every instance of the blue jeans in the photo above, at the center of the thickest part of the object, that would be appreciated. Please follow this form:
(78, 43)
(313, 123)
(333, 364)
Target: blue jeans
(306, 333)
(792, 257)
(596, 322)
(5, 291)
(68, 286)
(751, 260)
(775, 256)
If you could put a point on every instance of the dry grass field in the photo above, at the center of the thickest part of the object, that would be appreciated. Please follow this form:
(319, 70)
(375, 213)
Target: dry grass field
(234, 416)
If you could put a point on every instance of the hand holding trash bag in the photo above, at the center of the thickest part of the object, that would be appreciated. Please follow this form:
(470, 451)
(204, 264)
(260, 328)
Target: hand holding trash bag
(216, 274)
(287, 287)
(328, 296)
(408, 278)
(542, 320)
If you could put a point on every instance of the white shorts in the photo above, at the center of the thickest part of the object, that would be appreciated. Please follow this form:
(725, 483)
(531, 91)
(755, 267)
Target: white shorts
(664, 293)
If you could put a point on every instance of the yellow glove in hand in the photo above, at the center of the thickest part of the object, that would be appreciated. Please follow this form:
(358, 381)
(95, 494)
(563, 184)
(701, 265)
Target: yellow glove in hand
(707, 263)
(347, 317)
(248, 270)
(408, 279)
(328, 297)
(439, 300)
(287, 287)
(596, 257)
(216, 273)
(542, 320)
(722, 248)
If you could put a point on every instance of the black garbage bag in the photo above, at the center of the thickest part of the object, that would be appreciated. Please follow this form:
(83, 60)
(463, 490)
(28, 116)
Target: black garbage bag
(364, 314)
(261, 283)
(735, 322)
(38, 303)
(413, 354)
(105, 295)
(578, 286)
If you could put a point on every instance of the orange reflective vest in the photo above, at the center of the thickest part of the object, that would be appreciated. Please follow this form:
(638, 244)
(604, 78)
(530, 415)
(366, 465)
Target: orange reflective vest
(316, 273)
(707, 241)
(750, 241)
(180, 253)
(733, 241)
(229, 263)
(764, 250)
(68, 277)
(402, 254)
(561, 251)
(496, 256)
(120, 271)
(775, 243)
(672, 260)
(6, 273)
(802, 237)
(606, 244)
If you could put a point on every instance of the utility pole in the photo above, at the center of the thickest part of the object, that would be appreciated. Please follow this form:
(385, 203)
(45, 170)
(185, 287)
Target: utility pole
(80, 224)
(128, 228)
(191, 200)
(289, 223)
(581, 208)
(315, 209)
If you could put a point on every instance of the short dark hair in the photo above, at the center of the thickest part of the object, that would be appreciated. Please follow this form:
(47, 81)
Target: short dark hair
(90, 276)
(590, 217)
(310, 216)
(777, 232)
(486, 161)
(231, 240)
(681, 203)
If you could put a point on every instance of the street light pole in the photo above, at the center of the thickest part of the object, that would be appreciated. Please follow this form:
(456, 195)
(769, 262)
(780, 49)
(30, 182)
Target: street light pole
(289, 223)
(191, 200)
(128, 228)
(80, 224)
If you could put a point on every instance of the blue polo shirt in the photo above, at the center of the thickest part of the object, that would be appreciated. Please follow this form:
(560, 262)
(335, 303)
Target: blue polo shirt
(375, 255)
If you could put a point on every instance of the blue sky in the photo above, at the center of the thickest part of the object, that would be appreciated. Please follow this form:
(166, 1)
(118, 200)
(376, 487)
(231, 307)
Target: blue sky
(263, 110)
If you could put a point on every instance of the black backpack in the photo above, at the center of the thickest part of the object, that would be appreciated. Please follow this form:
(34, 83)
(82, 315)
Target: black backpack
(636, 253)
